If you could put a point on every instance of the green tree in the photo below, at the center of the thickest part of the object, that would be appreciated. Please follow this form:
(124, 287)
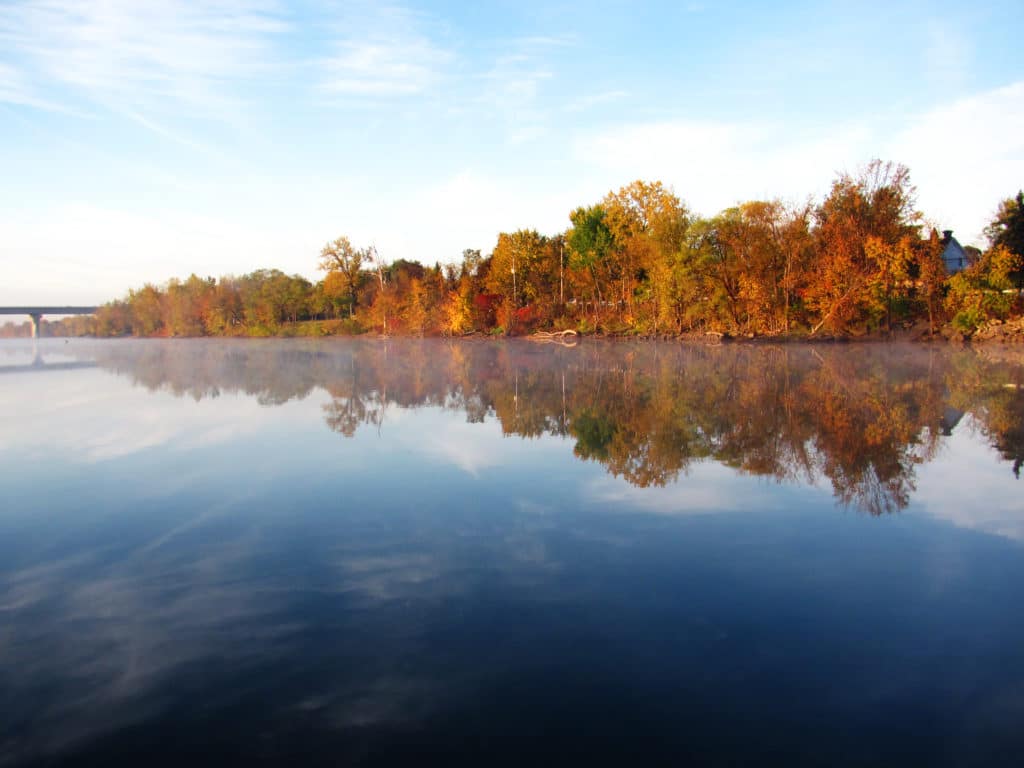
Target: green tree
(590, 242)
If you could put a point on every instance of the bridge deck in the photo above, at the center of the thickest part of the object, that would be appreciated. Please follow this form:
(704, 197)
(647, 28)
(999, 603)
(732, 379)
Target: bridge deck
(48, 310)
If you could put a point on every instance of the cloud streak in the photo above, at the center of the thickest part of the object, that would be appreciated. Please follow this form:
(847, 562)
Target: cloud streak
(137, 56)
(381, 52)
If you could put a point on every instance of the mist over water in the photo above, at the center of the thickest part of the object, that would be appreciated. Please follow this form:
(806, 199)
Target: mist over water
(376, 551)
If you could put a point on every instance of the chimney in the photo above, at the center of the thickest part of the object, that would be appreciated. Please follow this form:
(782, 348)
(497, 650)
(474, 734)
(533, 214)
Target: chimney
(947, 235)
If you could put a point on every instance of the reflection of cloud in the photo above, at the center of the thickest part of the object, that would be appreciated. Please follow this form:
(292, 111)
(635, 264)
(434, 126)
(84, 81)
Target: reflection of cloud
(470, 447)
(92, 417)
(706, 488)
(111, 630)
(948, 487)
(391, 577)
(391, 699)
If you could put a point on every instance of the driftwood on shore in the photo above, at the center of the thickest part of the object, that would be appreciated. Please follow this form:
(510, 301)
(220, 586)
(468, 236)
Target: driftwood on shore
(566, 338)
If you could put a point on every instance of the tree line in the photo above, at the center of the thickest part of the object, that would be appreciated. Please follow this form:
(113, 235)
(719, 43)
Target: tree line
(638, 261)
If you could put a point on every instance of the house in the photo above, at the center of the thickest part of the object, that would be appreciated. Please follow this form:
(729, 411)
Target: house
(953, 254)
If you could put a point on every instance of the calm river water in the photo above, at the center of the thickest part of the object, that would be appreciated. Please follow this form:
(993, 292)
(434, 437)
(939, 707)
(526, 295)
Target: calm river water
(387, 552)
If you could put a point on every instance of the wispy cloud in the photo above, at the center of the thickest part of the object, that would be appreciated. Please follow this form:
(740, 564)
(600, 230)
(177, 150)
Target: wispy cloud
(15, 90)
(946, 54)
(382, 51)
(547, 41)
(512, 87)
(595, 99)
(383, 67)
(141, 55)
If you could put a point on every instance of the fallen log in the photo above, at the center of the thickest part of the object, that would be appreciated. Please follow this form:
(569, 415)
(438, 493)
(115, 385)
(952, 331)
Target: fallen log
(566, 338)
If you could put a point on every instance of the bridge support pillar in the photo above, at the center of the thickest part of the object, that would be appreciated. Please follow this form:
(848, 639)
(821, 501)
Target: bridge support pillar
(36, 324)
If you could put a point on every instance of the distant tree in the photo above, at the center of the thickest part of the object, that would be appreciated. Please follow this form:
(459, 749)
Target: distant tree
(147, 310)
(416, 311)
(457, 311)
(470, 262)
(514, 266)
(343, 263)
(383, 300)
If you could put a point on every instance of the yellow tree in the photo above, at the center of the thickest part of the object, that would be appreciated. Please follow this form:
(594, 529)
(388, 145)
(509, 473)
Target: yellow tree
(514, 263)
(890, 266)
(648, 226)
(458, 309)
(416, 313)
(342, 263)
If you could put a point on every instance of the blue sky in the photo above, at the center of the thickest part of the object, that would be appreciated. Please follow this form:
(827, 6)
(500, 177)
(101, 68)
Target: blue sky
(143, 139)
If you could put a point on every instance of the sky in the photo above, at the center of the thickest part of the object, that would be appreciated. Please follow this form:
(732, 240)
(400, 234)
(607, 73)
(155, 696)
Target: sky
(146, 139)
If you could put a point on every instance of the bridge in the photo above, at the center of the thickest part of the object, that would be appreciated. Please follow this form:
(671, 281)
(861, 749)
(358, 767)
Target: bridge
(36, 313)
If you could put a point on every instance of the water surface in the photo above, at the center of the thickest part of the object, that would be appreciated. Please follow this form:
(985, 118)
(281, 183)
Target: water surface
(379, 552)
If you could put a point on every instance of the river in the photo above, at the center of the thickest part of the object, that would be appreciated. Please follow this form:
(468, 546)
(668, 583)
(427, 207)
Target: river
(378, 552)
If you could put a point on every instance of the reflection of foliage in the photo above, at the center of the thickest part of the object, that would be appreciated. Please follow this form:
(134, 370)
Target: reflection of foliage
(593, 434)
(860, 418)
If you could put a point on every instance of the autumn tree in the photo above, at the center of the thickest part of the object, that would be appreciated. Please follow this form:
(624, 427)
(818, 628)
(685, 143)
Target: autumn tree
(186, 305)
(383, 301)
(648, 226)
(147, 311)
(984, 289)
(877, 204)
(457, 310)
(416, 311)
(514, 271)
(931, 277)
(343, 265)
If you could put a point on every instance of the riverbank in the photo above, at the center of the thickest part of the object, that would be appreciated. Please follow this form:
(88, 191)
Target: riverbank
(995, 331)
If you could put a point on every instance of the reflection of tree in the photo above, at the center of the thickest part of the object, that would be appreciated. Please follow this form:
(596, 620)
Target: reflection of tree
(860, 418)
(995, 396)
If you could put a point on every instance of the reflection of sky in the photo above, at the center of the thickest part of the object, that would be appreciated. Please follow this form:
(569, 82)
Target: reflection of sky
(970, 485)
(208, 570)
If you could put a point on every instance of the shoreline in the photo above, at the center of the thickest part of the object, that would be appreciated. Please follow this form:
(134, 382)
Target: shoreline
(1012, 337)
(1001, 332)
